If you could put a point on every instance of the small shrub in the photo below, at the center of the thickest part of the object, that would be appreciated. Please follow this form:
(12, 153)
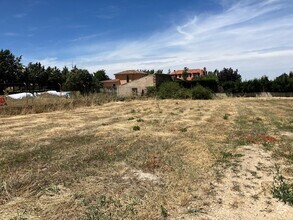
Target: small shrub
(200, 92)
(282, 190)
(152, 91)
(164, 212)
(226, 116)
(168, 90)
(121, 99)
(227, 156)
(136, 128)
(140, 120)
(194, 210)
(183, 94)
(183, 129)
(258, 119)
(268, 145)
(131, 118)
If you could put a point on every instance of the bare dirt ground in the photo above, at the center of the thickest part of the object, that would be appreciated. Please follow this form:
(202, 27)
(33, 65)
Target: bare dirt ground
(245, 190)
(185, 160)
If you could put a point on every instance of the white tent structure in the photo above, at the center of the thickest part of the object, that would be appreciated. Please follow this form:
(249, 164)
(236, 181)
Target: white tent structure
(20, 95)
(27, 94)
(67, 94)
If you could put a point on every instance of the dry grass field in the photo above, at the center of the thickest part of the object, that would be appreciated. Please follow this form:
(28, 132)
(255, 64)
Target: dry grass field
(149, 159)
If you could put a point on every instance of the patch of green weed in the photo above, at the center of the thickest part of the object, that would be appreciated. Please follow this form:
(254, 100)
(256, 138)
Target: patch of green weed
(136, 128)
(282, 189)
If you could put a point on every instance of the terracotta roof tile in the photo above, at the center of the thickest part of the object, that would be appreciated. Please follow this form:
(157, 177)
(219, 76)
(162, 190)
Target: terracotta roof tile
(110, 80)
(190, 71)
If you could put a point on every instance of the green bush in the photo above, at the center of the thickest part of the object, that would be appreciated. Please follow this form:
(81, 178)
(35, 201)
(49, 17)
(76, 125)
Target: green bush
(173, 90)
(168, 90)
(136, 128)
(200, 92)
(226, 116)
(183, 93)
(282, 189)
(152, 91)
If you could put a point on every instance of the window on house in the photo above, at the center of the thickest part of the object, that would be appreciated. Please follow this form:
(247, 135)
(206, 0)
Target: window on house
(134, 91)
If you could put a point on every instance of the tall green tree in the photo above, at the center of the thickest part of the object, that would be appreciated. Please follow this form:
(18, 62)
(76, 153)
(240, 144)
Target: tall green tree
(10, 67)
(37, 76)
(229, 80)
(283, 83)
(152, 71)
(185, 73)
(64, 73)
(228, 74)
(159, 72)
(101, 75)
(80, 80)
(56, 79)
(265, 84)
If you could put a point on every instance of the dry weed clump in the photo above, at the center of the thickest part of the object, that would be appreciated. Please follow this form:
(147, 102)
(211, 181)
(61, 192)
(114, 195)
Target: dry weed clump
(49, 103)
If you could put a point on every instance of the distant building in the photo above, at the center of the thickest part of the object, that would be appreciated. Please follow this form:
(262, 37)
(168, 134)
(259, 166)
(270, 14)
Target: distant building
(140, 86)
(110, 86)
(191, 74)
(129, 75)
(133, 83)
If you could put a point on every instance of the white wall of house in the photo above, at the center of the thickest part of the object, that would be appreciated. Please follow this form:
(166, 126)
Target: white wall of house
(136, 87)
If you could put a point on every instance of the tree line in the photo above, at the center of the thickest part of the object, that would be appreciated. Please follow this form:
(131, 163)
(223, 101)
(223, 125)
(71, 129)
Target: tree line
(230, 81)
(35, 77)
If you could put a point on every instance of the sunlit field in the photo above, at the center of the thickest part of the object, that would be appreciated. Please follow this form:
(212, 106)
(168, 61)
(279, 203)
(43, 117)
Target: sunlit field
(148, 159)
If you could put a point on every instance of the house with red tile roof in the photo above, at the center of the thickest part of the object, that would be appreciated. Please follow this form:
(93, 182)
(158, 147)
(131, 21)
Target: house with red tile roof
(191, 74)
(122, 78)
(133, 83)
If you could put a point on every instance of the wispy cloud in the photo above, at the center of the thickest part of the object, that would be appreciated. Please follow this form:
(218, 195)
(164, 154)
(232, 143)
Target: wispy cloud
(20, 15)
(11, 34)
(89, 37)
(77, 26)
(254, 36)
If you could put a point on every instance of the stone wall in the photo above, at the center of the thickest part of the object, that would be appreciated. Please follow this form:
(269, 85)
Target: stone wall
(161, 78)
(264, 94)
(137, 87)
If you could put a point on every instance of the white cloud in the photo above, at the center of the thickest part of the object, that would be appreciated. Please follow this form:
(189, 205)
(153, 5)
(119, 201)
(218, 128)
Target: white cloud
(254, 36)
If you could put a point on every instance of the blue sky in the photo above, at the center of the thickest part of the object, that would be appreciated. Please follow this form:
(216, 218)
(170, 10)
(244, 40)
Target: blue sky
(254, 36)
